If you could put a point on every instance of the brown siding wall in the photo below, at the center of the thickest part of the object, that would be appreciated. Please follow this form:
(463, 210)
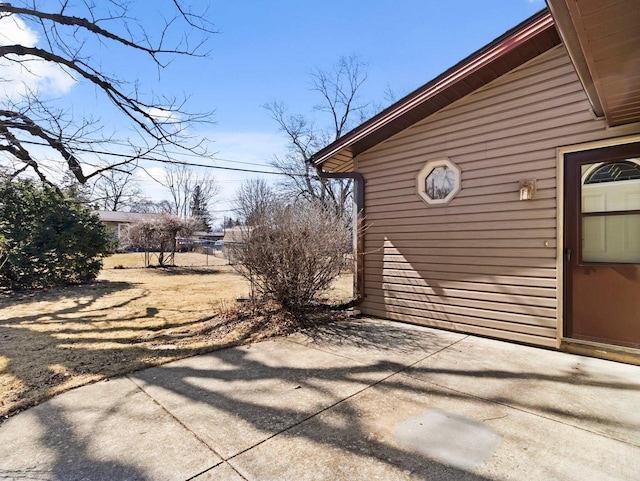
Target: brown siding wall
(486, 262)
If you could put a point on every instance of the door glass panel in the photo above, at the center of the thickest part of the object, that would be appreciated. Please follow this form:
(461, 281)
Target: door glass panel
(614, 172)
(611, 191)
(611, 197)
(611, 238)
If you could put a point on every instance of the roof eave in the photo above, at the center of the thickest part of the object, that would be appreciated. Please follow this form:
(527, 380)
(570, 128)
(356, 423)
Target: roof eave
(567, 32)
(602, 38)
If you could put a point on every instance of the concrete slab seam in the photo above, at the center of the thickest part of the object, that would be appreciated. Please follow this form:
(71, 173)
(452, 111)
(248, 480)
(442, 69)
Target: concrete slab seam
(215, 466)
(522, 410)
(188, 430)
(311, 416)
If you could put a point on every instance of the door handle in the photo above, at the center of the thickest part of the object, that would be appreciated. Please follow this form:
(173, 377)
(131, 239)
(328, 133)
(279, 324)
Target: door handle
(567, 254)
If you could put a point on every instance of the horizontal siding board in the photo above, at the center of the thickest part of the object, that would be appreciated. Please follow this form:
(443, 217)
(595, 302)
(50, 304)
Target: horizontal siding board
(500, 233)
(397, 276)
(476, 285)
(403, 243)
(546, 169)
(473, 224)
(452, 294)
(516, 176)
(408, 194)
(481, 213)
(491, 253)
(468, 328)
(377, 187)
(416, 260)
(434, 285)
(451, 312)
(416, 270)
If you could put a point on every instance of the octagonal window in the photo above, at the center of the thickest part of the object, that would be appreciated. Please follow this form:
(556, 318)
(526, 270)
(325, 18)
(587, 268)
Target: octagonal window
(438, 181)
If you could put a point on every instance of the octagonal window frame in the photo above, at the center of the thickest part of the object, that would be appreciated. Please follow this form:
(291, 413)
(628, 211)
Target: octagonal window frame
(421, 179)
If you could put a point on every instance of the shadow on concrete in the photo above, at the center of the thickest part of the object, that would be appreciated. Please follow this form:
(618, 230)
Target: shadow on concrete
(270, 420)
(267, 419)
(353, 437)
(370, 335)
(73, 458)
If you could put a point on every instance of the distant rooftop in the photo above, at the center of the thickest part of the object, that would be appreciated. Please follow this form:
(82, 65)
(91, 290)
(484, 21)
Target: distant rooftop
(125, 217)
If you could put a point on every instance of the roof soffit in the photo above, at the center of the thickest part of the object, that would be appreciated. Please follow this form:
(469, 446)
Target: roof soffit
(603, 41)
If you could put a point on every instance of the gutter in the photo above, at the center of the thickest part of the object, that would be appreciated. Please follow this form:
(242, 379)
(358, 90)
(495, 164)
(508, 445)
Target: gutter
(358, 248)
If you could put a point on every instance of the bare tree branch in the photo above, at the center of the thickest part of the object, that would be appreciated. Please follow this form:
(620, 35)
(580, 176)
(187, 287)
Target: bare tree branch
(339, 90)
(116, 191)
(70, 34)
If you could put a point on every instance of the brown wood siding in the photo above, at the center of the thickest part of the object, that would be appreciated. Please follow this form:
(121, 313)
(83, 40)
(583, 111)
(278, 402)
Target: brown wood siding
(486, 262)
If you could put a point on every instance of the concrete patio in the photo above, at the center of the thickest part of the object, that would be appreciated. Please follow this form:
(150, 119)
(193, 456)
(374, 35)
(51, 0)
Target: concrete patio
(368, 399)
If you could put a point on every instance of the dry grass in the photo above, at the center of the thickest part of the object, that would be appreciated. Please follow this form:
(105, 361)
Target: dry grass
(131, 318)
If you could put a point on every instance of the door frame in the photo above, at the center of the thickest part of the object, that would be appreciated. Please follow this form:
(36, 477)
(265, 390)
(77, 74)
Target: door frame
(563, 342)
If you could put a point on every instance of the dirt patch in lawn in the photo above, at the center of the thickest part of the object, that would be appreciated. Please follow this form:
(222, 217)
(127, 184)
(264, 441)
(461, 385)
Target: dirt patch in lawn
(130, 318)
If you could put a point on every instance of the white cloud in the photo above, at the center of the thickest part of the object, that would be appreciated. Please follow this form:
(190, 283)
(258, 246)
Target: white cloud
(13, 30)
(163, 115)
(31, 74)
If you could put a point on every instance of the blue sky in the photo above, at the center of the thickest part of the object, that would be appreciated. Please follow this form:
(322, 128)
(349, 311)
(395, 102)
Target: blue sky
(265, 50)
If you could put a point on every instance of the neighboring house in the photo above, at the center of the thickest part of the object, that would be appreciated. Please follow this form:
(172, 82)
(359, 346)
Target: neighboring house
(235, 235)
(503, 197)
(208, 236)
(232, 237)
(119, 222)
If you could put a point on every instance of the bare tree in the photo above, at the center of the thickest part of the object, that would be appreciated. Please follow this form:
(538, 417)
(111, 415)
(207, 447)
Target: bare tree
(339, 91)
(72, 34)
(147, 206)
(181, 182)
(116, 190)
(178, 179)
(253, 200)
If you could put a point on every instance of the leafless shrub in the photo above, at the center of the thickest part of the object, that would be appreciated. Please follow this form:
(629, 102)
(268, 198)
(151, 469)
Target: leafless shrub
(293, 253)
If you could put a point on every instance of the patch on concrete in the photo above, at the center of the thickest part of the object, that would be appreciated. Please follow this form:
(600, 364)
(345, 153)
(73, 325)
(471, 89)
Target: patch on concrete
(449, 438)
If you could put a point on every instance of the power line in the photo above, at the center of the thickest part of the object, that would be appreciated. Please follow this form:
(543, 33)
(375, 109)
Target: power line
(176, 162)
(191, 154)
